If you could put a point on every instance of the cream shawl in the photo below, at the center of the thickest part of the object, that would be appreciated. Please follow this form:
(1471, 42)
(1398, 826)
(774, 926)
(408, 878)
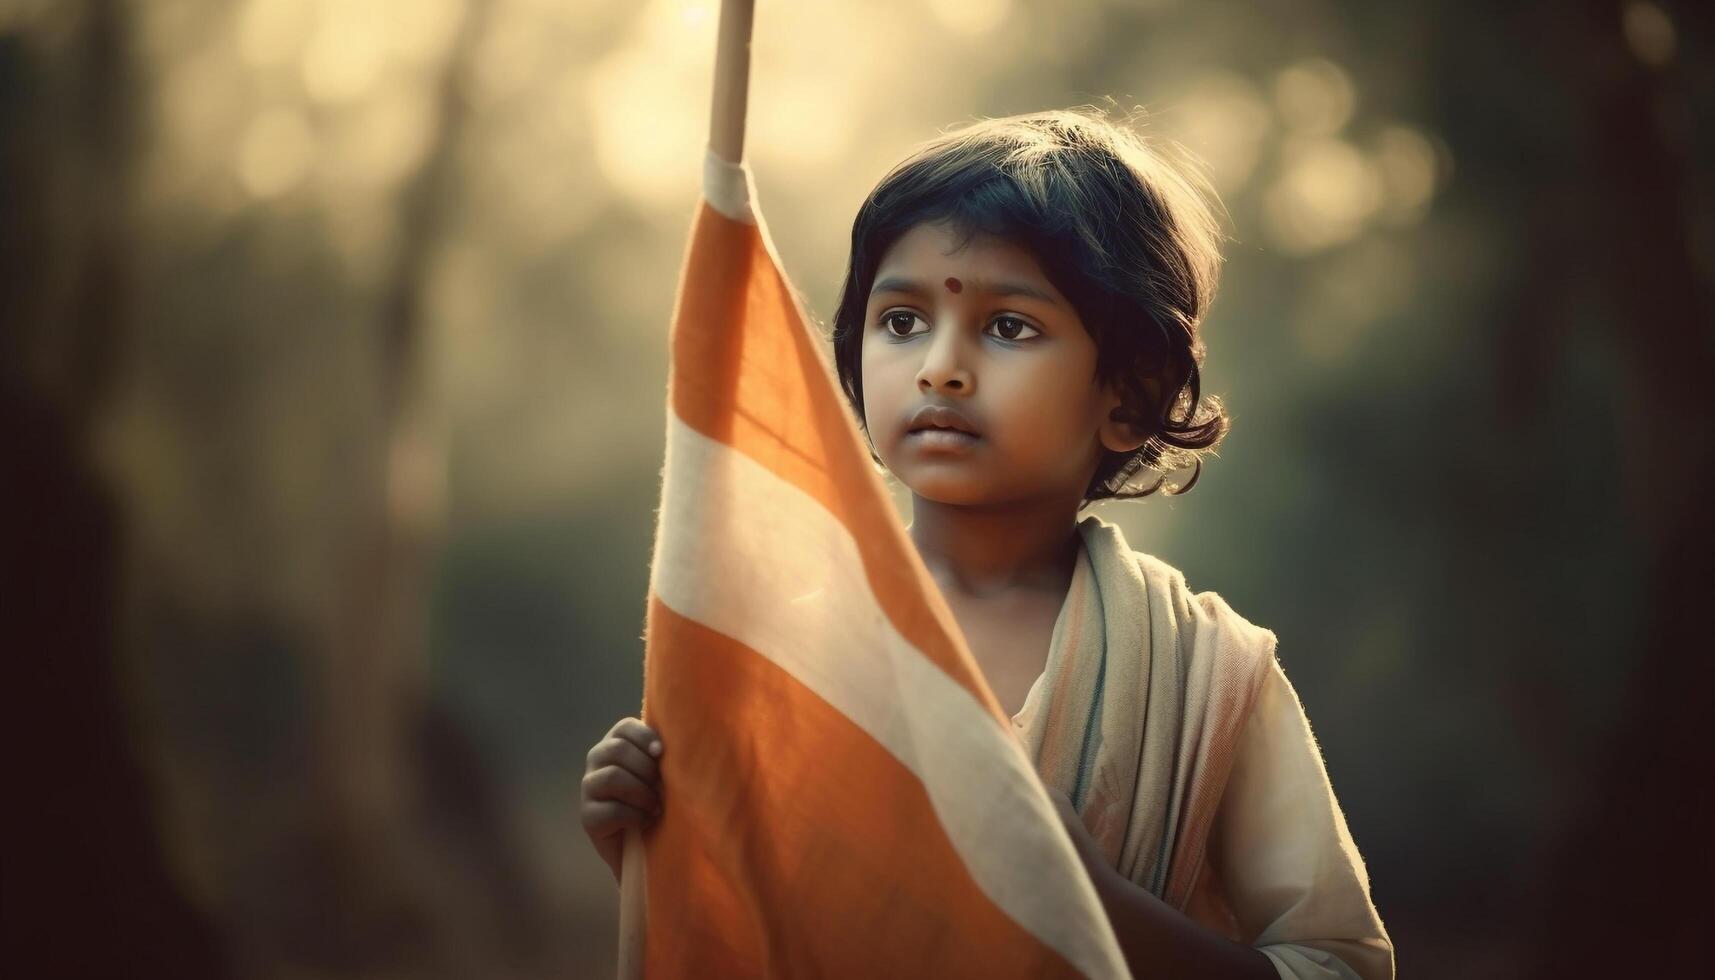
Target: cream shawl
(1138, 711)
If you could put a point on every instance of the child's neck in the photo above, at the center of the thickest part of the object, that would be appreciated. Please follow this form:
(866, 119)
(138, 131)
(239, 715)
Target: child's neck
(989, 552)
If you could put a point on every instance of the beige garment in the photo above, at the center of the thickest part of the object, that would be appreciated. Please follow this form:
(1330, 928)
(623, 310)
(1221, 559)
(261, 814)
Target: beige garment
(1193, 765)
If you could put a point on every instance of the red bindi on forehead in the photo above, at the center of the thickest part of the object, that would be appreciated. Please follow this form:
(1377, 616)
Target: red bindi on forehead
(954, 285)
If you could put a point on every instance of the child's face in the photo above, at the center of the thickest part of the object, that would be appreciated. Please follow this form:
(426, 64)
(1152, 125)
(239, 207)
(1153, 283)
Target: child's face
(940, 329)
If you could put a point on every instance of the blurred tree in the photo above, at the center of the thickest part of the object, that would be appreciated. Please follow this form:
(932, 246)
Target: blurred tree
(1627, 878)
(344, 823)
(87, 888)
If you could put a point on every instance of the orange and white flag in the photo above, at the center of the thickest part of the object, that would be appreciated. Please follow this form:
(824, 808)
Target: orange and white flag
(842, 793)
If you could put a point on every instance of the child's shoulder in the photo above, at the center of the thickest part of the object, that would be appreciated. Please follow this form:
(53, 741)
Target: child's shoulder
(1153, 584)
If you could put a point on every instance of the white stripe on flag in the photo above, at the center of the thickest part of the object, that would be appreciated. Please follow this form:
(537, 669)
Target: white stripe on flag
(755, 558)
(729, 187)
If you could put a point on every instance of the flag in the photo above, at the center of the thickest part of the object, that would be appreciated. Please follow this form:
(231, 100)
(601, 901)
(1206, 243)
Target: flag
(843, 795)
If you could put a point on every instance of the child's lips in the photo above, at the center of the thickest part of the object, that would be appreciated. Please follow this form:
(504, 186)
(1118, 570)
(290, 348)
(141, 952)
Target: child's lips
(940, 416)
(950, 440)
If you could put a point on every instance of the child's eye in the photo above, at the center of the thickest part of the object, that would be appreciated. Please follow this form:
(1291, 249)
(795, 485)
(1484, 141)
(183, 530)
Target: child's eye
(1016, 326)
(888, 320)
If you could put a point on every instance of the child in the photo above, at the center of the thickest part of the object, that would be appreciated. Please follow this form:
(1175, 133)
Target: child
(1018, 336)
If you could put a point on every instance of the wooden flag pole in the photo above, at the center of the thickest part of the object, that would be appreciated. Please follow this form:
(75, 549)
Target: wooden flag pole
(633, 906)
(726, 140)
(732, 81)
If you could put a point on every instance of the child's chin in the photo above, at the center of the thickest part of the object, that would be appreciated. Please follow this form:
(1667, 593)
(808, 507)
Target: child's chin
(954, 491)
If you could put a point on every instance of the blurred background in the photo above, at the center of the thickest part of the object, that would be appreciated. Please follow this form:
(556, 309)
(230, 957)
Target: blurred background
(333, 371)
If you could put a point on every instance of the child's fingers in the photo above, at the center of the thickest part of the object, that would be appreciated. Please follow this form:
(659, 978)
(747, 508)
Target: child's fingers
(604, 818)
(614, 783)
(626, 755)
(637, 733)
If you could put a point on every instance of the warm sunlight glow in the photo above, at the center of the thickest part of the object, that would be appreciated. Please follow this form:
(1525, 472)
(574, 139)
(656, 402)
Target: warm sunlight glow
(971, 17)
(273, 32)
(382, 140)
(275, 153)
(1315, 97)
(420, 31)
(1225, 120)
(1325, 193)
(1649, 32)
(1405, 159)
(347, 52)
(649, 130)
(804, 131)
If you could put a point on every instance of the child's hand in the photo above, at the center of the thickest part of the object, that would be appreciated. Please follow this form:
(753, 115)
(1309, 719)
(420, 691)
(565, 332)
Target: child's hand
(621, 788)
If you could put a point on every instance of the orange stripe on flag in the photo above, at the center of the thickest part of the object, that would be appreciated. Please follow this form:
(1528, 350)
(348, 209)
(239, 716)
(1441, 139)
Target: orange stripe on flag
(815, 888)
(747, 388)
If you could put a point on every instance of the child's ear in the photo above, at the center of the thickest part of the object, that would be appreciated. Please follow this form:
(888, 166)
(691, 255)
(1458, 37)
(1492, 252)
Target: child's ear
(1118, 436)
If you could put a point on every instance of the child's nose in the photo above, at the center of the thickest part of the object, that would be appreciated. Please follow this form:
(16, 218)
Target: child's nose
(944, 364)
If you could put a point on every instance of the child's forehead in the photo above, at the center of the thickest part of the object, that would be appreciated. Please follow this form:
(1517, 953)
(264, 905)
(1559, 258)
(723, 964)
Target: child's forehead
(957, 252)
(995, 268)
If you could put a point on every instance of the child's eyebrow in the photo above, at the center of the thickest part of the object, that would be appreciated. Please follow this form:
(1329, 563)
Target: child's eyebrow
(901, 284)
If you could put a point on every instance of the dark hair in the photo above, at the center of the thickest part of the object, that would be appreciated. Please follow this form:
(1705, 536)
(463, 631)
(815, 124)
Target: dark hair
(1117, 228)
